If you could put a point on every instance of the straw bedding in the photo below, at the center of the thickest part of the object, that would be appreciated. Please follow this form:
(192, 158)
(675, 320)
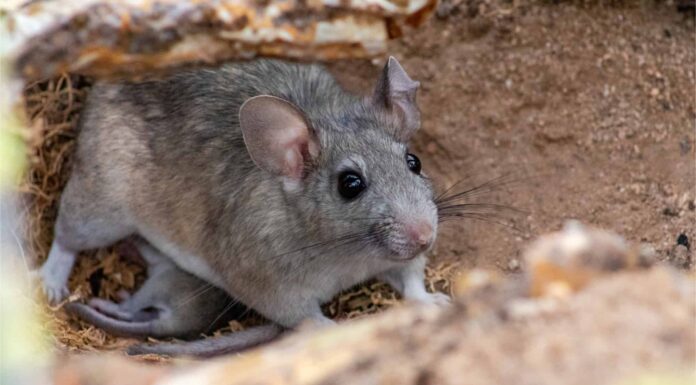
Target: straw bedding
(52, 109)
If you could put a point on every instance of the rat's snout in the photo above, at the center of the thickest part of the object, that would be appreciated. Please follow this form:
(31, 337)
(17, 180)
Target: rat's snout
(419, 233)
(411, 237)
(411, 228)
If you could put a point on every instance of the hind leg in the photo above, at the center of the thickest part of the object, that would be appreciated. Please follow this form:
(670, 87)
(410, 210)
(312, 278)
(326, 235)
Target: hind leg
(109, 308)
(154, 297)
(112, 308)
(85, 221)
(147, 298)
(55, 272)
(132, 307)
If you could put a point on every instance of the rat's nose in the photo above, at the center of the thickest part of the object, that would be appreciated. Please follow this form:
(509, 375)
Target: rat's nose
(420, 233)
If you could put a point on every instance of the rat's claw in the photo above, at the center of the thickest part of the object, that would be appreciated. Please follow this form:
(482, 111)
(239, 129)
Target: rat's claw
(55, 294)
(54, 289)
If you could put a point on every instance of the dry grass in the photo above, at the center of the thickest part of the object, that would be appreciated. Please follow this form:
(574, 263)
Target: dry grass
(53, 108)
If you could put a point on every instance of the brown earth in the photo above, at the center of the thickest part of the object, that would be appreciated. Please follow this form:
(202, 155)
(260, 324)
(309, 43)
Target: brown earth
(590, 108)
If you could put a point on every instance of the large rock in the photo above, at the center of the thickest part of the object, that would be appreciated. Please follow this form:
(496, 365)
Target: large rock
(137, 37)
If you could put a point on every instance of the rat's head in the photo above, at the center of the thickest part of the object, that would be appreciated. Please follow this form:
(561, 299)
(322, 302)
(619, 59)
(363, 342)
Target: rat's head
(348, 169)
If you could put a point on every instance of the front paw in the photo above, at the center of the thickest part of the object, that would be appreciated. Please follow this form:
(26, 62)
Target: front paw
(437, 298)
(55, 293)
(54, 290)
(315, 323)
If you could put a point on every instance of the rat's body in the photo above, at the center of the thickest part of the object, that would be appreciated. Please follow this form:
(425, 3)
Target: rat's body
(241, 189)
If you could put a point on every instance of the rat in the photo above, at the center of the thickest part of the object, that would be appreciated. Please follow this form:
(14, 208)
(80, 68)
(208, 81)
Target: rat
(265, 178)
(170, 303)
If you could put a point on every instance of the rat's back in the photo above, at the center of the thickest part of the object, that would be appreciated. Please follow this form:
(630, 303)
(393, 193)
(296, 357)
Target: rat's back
(166, 157)
(190, 119)
(179, 137)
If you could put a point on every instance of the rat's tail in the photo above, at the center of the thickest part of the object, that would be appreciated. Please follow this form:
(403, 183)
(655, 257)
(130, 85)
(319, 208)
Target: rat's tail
(212, 346)
(112, 326)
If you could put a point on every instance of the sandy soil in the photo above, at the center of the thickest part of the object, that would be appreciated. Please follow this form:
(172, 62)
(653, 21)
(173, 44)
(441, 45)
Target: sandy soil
(590, 108)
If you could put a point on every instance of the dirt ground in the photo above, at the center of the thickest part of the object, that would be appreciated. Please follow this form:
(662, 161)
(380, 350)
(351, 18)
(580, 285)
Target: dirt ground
(590, 108)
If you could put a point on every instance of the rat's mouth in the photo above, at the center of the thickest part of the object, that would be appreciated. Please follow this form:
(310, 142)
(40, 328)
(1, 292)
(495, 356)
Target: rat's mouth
(401, 258)
(402, 253)
(397, 248)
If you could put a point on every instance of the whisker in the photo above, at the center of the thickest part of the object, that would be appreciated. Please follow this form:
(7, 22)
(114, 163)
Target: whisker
(227, 308)
(204, 288)
(368, 236)
(496, 207)
(492, 185)
(487, 186)
(360, 238)
(323, 243)
(339, 241)
(459, 182)
(243, 314)
(479, 217)
(344, 218)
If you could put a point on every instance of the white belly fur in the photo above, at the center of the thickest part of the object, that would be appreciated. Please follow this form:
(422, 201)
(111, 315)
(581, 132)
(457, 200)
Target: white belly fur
(185, 261)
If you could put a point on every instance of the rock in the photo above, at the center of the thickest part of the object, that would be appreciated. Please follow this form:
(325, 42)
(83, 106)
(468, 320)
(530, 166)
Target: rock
(126, 38)
(513, 264)
(566, 261)
(623, 325)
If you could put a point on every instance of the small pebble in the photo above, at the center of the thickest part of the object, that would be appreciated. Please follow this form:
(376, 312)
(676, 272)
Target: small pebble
(682, 239)
(670, 212)
(514, 264)
(684, 147)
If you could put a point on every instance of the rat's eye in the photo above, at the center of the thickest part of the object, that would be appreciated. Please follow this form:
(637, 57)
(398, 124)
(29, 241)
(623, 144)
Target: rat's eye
(413, 163)
(350, 184)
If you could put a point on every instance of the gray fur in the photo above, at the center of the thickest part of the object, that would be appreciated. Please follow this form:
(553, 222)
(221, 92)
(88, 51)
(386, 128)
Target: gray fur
(213, 346)
(167, 160)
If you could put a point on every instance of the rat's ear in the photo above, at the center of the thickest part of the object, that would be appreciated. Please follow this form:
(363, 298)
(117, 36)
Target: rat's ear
(396, 92)
(277, 136)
